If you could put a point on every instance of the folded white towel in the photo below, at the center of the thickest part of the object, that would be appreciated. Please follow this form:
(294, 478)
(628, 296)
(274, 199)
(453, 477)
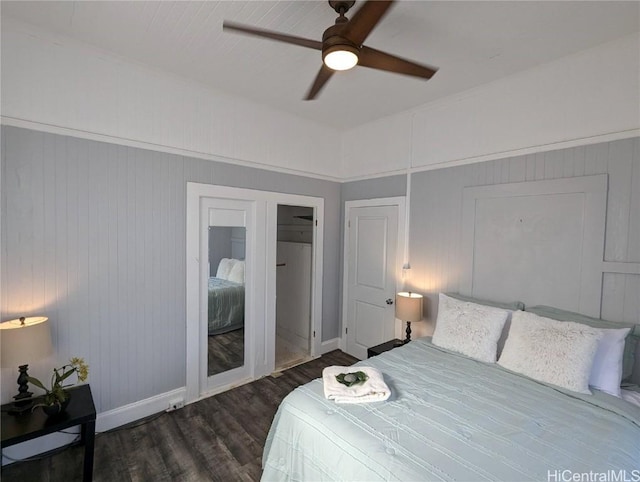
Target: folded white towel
(373, 390)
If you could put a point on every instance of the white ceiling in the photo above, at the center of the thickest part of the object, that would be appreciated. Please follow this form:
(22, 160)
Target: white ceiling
(472, 43)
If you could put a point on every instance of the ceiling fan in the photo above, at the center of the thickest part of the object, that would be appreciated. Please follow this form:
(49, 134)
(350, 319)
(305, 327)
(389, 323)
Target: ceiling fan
(341, 44)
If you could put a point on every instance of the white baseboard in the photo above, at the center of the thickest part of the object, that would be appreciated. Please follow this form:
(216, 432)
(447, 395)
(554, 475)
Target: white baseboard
(137, 410)
(105, 421)
(329, 345)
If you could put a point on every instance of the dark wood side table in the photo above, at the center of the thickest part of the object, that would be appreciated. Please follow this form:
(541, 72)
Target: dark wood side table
(30, 425)
(381, 348)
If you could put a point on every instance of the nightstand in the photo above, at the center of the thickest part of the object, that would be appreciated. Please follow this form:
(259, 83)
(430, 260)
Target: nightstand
(28, 426)
(381, 348)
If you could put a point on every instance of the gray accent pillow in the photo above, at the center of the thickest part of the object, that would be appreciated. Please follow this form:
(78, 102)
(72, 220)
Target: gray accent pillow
(513, 306)
(633, 338)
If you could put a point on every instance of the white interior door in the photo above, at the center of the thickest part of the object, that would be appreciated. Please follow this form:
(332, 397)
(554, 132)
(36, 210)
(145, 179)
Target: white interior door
(372, 275)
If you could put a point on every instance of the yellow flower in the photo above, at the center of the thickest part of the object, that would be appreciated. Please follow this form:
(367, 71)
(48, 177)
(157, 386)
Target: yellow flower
(81, 368)
(57, 393)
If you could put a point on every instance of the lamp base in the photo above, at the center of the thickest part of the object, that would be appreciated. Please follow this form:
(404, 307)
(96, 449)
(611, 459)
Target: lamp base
(408, 332)
(18, 408)
(23, 401)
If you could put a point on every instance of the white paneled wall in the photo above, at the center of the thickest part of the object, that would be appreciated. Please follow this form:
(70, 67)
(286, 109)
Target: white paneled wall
(588, 97)
(378, 147)
(53, 83)
(93, 236)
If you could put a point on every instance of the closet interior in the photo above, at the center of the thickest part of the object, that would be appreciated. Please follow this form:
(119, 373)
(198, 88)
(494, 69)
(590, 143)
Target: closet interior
(293, 285)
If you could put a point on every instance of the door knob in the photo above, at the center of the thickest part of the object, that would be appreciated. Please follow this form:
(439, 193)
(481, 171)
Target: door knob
(389, 301)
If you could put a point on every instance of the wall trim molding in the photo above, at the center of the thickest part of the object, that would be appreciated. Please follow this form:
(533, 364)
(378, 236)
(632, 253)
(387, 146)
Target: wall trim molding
(123, 141)
(586, 240)
(65, 131)
(583, 141)
(621, 267)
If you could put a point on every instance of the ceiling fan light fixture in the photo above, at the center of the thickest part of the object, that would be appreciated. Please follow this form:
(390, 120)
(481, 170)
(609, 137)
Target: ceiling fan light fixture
(342, 43)
(341, 57)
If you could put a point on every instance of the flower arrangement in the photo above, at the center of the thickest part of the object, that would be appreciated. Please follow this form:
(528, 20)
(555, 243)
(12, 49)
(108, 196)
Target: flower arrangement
(57, 395)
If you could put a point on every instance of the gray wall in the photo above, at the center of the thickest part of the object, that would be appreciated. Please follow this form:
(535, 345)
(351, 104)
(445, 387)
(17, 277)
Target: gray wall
(219, 246)
(436, 211)
(93, 236)
(436, 207)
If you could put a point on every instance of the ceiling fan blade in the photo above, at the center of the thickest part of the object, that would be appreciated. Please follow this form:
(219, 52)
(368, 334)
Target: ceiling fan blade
(323, 76)
(281, 37)
(365, 19)
(375, 59)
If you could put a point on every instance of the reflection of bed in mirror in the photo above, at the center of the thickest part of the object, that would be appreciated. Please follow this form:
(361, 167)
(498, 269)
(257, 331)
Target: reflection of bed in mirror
(226, 297)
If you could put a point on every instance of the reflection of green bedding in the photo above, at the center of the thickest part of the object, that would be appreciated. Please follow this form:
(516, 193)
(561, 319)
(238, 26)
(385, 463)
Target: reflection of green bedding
(226, 306)
(451, 418)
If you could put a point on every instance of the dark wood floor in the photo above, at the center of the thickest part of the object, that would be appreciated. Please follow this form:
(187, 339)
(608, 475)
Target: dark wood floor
(219, 438)
(225, 351)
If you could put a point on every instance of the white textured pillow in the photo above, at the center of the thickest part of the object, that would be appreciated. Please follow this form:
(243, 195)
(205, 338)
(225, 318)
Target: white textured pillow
(557, 352)
(469, 328)
(606, 371)
(224, 267)
(237, 273)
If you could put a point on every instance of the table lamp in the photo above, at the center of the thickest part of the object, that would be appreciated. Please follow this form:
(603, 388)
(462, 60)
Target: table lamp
(408, 308)
(22, 341)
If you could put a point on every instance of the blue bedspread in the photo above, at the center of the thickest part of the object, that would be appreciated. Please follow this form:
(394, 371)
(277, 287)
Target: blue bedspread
(226, 306)
(451, 418)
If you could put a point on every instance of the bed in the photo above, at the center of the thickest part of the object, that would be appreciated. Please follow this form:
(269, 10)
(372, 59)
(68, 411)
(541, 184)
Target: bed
(453, 417)
(226, 297)
(226, 306)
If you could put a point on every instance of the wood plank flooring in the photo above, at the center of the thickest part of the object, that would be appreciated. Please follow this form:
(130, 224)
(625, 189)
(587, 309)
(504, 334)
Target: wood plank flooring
(225, 352)
(219, 438)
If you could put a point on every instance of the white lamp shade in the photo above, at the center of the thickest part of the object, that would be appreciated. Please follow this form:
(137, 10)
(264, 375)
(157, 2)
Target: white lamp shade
(409, 306)
(23, 343)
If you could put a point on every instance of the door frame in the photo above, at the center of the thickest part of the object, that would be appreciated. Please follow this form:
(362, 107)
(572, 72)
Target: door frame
(401, 203)
(317, 263)
(245, 371)
(263, 324)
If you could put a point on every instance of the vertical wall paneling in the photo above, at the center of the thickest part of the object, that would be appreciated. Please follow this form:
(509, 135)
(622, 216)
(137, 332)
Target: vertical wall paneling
(93, 236)
(619, 207)
(620, 300)
(633, 244)
(435, 210)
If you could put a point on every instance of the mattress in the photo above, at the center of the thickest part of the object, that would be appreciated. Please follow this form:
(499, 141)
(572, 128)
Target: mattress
(226, 306)
(451, 418)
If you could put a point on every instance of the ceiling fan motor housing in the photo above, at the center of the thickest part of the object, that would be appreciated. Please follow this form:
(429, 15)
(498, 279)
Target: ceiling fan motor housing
(332, 40)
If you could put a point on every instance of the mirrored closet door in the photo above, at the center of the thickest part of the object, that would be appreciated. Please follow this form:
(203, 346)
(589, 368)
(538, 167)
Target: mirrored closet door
(225, 268)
